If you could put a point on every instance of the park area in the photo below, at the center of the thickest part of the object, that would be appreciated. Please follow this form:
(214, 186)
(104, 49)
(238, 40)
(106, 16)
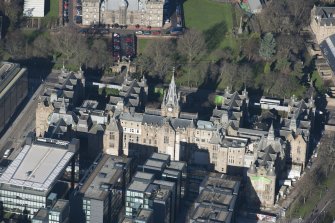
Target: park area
(214, 19)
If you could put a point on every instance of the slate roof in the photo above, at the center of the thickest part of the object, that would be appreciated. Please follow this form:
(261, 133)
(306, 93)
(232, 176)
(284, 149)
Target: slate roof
(325, 15)
(328, 50)
(266, 156)
(137, 117)
(181, 123)
(155, 120)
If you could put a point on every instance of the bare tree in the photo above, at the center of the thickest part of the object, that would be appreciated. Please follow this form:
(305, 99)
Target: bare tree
(143, 63)
(250, 47)
(99, 55)
(70, 45)
(161, 54)
(191, 45)
(228, 72)
(41, 46)
(15, 44)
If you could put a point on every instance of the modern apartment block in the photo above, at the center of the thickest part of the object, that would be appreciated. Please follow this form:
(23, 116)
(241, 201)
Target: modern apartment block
(13, 90)
(157, 186)
(143, 194)
(32, 181)
(217, 199)
(104, 190)
(59, 213)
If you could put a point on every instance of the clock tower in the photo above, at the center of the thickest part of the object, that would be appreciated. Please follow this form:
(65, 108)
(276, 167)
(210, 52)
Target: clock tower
(170, 105)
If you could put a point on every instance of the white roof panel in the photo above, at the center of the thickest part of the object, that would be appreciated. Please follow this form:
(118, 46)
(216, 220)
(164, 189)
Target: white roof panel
(37, 166)
(34, 8)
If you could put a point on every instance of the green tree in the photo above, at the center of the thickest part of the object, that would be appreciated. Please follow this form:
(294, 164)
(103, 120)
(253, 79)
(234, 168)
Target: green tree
(268, 46)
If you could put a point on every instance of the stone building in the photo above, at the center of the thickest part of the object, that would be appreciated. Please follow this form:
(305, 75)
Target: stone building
(123, 12)
(90, 12)
(267, 168)
(322, 22)
(261, 186)
(296, 128)
(64, 95)
(220, 144)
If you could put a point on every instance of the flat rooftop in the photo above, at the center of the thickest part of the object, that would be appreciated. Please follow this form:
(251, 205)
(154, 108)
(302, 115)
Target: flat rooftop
(139, 186)
(170, 172)
(42, 215)
(108, 172)
(162, 195)
(144, 176)
(208, 214)
(217, 198)
(143, 216)
(221, 182)
(154, 163)
(9, 73)
(177, 165)
(160, 156)
(60, 205)
(38, 165)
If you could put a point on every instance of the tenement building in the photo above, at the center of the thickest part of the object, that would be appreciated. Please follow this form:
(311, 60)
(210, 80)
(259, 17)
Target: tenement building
(32, 180)
(13, 90)
(123, 12)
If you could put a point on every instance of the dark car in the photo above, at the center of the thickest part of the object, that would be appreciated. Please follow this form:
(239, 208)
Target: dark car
(156, 32)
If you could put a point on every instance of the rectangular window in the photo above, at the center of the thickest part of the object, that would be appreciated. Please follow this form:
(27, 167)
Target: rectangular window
(166, 139)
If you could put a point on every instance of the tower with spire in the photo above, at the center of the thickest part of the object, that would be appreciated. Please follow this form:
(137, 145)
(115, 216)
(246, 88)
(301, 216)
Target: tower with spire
(170, 105)
(271, 134)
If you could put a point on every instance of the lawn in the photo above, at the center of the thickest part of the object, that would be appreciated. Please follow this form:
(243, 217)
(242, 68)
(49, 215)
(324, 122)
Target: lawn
(204, 14)
(141, 44)
(53, 13)
(215, 20)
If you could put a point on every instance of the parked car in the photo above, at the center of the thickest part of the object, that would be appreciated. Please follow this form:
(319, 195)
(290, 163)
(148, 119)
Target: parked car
(139, 32)
(146, 32)
(7, 153)
(156, 32)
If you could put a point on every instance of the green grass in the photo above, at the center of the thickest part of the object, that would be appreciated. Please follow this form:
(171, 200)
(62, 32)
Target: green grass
(204, 14)
(214, 19)
(141, 44)
(319, 84)
(53, 13)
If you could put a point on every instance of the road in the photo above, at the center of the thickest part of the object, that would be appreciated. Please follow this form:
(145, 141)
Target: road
(23, 124)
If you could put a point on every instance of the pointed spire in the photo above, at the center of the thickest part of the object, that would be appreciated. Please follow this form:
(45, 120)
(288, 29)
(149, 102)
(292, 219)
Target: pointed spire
(171, 96)
(271, 134)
